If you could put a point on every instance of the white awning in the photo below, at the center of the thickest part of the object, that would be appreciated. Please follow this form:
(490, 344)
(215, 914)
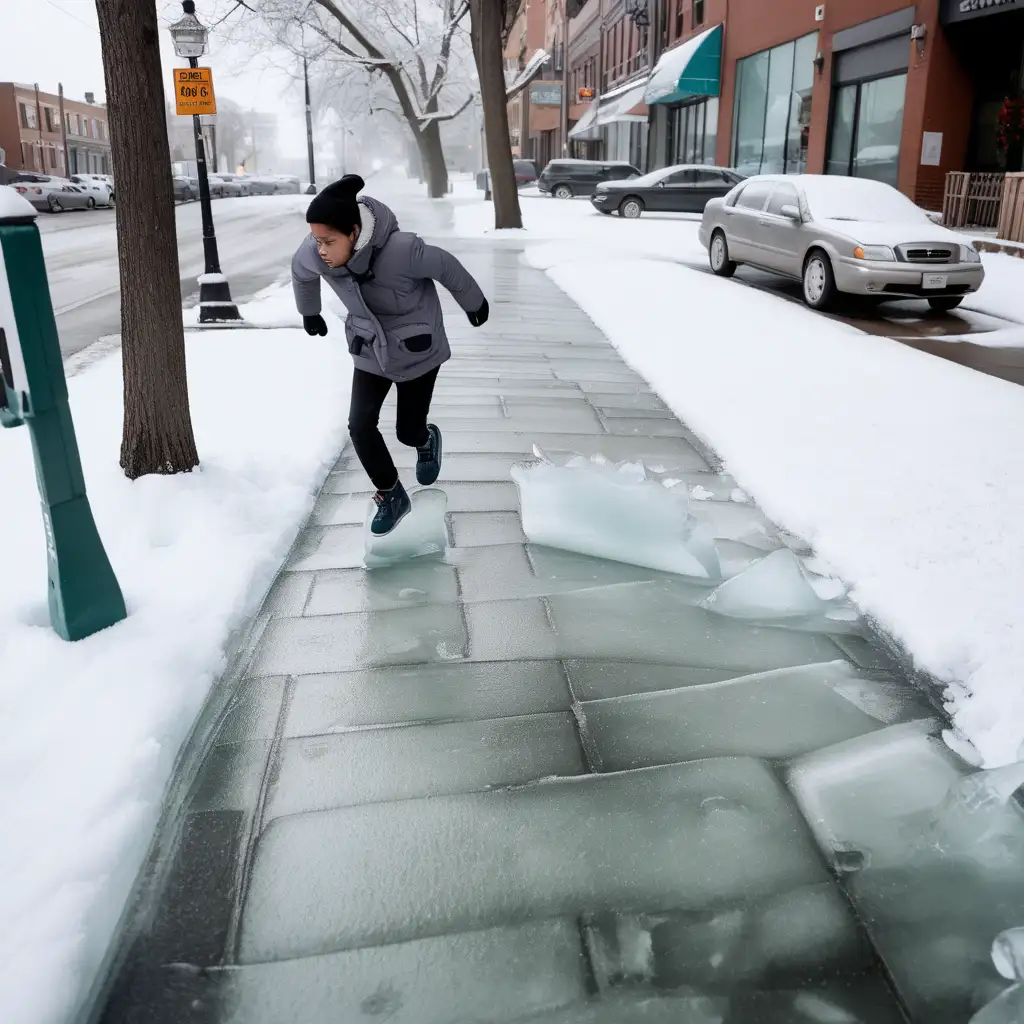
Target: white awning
(617, 107)
(585, 124)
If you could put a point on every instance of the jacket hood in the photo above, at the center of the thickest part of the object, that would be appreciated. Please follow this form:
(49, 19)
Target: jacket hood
(384, 225)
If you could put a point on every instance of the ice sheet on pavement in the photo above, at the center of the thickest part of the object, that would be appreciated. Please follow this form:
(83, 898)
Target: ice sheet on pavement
(423, 531)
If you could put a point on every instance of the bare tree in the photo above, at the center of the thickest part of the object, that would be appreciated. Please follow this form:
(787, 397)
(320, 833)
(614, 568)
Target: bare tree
(409, 44)
(492, 22)
(157, 435)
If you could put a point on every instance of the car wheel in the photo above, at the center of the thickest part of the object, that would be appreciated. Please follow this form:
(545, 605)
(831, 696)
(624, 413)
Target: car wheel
(718, 255)
(819, 281)
(562, 192)
(54, 203)
(943, 304)
(91, 203)
(631, 207)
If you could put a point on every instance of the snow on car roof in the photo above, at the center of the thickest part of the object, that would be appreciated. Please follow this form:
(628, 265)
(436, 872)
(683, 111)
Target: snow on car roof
(13, 204)
(837, 197)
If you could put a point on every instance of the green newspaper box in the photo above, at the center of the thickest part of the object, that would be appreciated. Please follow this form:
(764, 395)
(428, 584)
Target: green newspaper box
(83, 593)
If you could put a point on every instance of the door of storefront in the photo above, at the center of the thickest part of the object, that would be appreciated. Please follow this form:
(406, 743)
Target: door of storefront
(692, 133)
(988, 40)
(869, 83)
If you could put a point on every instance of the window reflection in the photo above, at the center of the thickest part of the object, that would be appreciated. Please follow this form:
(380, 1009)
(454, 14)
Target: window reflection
(867, 123)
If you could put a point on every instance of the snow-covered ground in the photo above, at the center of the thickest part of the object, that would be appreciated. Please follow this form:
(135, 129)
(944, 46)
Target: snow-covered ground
(89, 731)
(673, 236)
(906, 472)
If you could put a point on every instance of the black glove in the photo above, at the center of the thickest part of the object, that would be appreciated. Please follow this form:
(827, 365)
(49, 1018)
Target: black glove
(479, 318)
(315, 325)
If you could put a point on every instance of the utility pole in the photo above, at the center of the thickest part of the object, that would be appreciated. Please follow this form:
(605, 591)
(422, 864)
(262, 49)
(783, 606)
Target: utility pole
(64, 131)
(39, 125)
(309, 130)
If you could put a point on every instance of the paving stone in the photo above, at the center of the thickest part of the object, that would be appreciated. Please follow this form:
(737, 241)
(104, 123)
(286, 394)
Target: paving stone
(597, 680)
(230, 777)
(416, 582)
(372, 765)
(509, 630)
(617, 448)
(635, 401)
(645, 426)
(254, 710)
(337, 643)
(775, 715)
(328, 547)
(453, 691)
(611, 413)
(655, 622)
(472, 529)
(475, 976)
(685, 837)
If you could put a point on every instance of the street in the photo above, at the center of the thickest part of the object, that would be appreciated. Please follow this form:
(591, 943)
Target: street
(81, 258)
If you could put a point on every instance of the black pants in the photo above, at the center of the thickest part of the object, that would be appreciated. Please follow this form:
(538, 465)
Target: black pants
(368, 394)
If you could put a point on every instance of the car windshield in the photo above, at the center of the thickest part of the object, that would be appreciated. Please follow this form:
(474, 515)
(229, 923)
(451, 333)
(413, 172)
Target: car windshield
(832, 197)
(654, 177)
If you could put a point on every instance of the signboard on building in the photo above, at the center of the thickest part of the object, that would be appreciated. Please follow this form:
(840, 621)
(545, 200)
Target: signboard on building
(931, 149)
(546, 94)
(965, 10)
(586, 94)
(193, 91)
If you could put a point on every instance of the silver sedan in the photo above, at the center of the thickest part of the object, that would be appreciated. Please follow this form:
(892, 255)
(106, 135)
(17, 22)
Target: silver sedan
(836, 234)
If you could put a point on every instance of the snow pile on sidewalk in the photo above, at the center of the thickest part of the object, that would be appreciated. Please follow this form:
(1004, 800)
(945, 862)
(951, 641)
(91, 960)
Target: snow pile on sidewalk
(905, 472)
(1002, 292)
(89, 731)
(670, 236)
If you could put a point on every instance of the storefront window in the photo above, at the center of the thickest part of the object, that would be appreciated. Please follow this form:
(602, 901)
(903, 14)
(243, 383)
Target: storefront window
(867, 123)
(773, 108)
(693, 132)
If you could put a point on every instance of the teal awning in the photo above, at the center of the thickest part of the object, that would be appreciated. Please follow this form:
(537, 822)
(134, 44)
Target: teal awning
(691, 69)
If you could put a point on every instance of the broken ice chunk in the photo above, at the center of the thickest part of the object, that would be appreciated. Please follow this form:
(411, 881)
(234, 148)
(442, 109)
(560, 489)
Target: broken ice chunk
(773, 588)
(701, 494)
(613, 512)
(1007, 1008)
(1008, 953)
(730, 521)
(423, 531)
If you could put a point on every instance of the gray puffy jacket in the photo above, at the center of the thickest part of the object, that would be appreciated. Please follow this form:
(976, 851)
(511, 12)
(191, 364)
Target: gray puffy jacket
(395, 328)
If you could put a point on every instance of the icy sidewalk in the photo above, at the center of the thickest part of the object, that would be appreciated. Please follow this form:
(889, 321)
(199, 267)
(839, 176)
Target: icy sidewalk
(510, 782)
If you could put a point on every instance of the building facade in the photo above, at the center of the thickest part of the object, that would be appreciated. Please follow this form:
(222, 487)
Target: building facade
(899, 91)
(51, 134)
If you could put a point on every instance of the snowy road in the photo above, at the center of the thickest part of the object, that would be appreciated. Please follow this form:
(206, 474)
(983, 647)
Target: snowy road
(81, 258)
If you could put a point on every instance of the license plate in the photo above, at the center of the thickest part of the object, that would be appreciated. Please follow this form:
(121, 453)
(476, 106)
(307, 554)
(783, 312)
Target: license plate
(934, 281)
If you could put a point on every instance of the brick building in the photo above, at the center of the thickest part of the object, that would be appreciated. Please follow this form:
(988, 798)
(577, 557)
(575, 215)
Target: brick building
(41, 131)
(903, 92)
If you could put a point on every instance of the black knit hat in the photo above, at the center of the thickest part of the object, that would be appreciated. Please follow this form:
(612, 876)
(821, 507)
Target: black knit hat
(336, 205)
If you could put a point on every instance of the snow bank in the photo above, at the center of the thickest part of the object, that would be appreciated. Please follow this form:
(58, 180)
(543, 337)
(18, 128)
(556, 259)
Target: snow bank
(905, 472)
(89, 731)
(1002, 292)
(671, 236)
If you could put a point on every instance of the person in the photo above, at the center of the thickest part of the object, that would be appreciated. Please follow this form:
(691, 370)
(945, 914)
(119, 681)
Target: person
(395, 326)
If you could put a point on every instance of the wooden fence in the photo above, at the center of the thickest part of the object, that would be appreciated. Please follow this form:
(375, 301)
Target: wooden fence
(1011, 216)
(972, 200)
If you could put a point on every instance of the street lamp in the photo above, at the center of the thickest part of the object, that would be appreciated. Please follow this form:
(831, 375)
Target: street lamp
(215, 304)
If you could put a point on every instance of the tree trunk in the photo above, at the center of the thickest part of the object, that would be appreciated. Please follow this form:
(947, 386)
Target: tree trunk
(432, 154)
(157, 435)
(487, 21)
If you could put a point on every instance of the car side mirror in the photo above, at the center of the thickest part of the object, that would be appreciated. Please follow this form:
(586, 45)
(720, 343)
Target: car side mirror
(792, 212)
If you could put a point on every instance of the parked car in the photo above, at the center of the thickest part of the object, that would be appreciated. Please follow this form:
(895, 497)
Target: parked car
(838, 234)
(226, 185)
(96, 187)
(48, 192)
(286, 183)
(259, 185)
(564, 179)
(526, 172)
(685, 188)
(184, 189)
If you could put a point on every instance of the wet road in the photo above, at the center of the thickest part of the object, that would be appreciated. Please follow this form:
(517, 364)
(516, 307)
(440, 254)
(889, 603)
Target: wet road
(913, 323)
(81, 258)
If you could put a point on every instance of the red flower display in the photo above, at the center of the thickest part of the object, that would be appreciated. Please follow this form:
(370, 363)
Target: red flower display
(1010, 127)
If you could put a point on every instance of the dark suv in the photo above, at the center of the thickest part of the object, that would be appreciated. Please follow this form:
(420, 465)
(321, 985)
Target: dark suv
(567, 178)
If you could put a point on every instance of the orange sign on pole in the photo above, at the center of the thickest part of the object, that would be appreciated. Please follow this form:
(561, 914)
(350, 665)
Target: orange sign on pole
(193, 91)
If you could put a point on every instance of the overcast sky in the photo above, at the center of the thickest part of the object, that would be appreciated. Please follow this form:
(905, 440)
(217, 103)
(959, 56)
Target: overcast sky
(51, 41)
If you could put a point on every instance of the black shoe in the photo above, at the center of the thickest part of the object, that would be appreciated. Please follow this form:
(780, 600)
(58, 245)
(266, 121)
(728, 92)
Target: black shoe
(392, 507)
(428, 458)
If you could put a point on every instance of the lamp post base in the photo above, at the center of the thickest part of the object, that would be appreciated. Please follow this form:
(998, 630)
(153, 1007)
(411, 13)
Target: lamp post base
(215, 302)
